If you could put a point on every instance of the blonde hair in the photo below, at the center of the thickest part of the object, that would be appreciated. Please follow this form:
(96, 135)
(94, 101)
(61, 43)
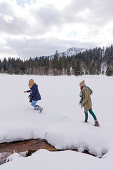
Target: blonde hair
(31, 82)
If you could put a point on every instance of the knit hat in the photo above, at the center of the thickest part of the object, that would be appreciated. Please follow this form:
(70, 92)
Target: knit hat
(82, 83)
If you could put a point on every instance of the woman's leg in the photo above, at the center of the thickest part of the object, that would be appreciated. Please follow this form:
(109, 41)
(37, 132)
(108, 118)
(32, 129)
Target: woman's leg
(33, 103)
(86, 116)
(36, 107)
(92, 113)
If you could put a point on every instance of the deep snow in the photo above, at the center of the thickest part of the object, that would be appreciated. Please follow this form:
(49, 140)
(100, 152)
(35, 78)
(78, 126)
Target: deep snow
(61, 121)
(66, 160)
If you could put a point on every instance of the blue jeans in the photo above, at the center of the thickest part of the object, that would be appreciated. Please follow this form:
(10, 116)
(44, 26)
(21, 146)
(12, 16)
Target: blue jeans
(33, 103)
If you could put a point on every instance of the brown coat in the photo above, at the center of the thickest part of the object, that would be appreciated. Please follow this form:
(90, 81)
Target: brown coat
(86, 100)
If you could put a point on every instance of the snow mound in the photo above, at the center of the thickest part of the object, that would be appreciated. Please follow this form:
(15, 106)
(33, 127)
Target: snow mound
(65, 160)
(96, 140)
(13, 156)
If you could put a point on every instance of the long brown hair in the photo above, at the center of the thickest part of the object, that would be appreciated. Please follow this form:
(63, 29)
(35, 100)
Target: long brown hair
(31, 82)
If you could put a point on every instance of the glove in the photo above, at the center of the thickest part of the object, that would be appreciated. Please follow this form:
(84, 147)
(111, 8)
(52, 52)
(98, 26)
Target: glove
(80, 102)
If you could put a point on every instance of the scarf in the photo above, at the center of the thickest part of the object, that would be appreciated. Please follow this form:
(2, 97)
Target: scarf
(81, 93)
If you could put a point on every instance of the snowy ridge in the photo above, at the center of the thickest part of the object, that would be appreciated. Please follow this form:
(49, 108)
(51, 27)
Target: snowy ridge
(70, 52)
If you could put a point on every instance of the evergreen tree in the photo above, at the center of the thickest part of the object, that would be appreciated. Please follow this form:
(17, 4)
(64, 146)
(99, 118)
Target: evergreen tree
(4, 65)
(91, 69)
(10, 70)
(109, 71)
(78, 69)
(55, 63)
(68, 71)
(0, 66)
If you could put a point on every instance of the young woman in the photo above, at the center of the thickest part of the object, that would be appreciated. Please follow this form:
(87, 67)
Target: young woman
(34, 95)
(86, 102)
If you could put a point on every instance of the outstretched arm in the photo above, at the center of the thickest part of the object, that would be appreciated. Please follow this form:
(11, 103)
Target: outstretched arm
(28, 91)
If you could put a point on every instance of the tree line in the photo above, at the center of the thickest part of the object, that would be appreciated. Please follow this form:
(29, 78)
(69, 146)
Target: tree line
(90, 62)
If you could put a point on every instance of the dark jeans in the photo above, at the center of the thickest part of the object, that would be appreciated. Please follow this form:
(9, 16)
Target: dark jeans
(91, 112)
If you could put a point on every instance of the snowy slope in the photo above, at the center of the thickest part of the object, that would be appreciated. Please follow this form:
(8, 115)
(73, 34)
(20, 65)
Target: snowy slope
(61, 121)
(70, 52)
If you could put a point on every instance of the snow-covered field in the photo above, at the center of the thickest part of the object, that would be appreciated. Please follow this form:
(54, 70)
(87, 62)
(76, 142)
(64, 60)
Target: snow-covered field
(60, 123)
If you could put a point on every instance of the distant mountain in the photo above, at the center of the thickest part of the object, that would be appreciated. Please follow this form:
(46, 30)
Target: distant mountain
(70, 52)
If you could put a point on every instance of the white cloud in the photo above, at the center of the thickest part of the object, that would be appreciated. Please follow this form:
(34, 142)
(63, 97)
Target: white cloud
(39, 27)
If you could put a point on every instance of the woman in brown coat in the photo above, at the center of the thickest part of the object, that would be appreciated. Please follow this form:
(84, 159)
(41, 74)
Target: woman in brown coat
(86, 102)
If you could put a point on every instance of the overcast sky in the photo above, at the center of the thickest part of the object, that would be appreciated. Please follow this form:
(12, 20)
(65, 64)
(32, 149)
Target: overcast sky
(30, 28)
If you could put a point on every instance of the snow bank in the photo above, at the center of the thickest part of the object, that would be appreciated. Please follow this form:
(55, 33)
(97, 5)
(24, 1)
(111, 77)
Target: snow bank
(96, 140)
(13, 156)
(65, 160)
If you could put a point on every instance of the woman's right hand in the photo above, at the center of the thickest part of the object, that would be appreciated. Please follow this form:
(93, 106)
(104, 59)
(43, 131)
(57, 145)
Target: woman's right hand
(25, 91)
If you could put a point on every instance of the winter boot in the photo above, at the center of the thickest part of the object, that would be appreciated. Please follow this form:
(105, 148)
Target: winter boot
(86, 121)
(96, 123)
(38, 108)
